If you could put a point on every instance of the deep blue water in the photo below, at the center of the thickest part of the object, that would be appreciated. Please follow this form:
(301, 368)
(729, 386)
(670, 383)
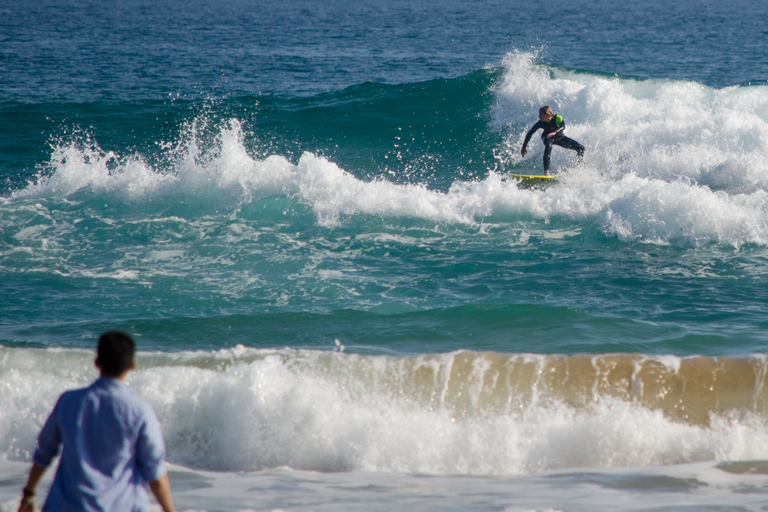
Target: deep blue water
(303, 211)
(425, 94)
(59, 51)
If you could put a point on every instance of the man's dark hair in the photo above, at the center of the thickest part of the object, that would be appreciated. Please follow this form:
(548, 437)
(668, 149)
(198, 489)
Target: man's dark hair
(115, 353)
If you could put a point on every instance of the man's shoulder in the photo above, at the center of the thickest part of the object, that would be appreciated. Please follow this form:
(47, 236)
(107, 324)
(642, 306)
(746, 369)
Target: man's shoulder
(74, 395)
(122, 397)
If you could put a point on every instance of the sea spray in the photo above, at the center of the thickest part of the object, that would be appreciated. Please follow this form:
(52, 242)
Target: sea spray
(659, 129)
(630, 206)
(465, 412)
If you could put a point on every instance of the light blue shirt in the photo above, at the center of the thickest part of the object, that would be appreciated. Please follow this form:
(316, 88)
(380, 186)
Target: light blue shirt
(112, 446)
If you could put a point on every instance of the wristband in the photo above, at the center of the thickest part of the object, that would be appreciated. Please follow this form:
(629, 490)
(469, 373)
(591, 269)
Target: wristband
(28, 492)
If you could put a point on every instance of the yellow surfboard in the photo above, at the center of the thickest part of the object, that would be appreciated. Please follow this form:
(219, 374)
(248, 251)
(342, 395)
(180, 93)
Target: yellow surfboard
(531, 180)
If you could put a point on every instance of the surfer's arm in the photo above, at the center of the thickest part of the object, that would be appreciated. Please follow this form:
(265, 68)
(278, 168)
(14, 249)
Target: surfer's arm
(528, 136)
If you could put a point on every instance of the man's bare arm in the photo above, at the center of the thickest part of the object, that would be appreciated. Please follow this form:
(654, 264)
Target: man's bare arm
(161, 488)
(35, 474)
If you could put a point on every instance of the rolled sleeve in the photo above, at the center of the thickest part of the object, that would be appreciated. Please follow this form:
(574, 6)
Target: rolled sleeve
(49, 440)
(151, 448)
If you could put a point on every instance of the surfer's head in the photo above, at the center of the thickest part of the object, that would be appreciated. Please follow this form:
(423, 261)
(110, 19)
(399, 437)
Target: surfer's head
(546, 114)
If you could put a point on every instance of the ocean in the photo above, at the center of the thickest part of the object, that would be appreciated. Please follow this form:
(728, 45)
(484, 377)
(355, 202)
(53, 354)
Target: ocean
(303, 212)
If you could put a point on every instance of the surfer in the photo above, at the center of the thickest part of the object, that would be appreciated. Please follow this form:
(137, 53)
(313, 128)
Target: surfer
(553, 127)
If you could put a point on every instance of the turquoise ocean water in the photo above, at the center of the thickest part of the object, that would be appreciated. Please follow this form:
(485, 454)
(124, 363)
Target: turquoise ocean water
(303, 213)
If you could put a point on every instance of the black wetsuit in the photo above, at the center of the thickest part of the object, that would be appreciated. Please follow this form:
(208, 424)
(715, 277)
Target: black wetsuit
(556, 125)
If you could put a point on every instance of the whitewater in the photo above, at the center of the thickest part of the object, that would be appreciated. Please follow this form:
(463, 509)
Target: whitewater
(340, 297)
(669, 162)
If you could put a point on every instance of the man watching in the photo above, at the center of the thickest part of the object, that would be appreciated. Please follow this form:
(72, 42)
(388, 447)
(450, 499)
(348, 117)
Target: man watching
(111, 439)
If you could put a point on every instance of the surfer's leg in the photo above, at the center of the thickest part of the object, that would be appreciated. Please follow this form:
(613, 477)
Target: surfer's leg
(547, 152)
(567, 143)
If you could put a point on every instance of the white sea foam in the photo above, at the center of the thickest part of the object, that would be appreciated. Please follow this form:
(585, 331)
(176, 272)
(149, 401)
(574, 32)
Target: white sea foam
(667, 162)
(658, 129)
(698, 485)
(328, 411)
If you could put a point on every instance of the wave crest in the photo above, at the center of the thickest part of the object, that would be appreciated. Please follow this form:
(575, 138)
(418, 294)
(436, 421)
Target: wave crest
(463, 412)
